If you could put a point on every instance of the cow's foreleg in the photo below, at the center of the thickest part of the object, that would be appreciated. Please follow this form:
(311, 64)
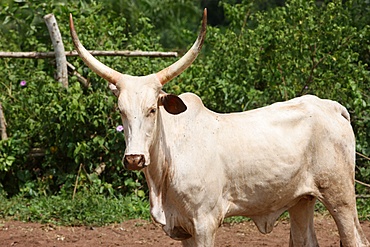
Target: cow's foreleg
(302, 232)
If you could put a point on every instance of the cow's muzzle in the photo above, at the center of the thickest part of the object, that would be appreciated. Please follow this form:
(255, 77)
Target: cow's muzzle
(134, 162)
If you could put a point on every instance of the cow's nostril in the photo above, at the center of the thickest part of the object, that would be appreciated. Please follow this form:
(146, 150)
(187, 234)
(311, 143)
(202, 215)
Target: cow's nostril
(134, 161)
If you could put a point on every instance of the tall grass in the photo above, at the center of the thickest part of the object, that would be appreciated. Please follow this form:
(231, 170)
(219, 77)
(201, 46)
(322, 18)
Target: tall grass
(87, 208)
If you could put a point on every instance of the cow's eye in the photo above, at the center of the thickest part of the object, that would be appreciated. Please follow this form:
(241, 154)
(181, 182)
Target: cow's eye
(152, 111)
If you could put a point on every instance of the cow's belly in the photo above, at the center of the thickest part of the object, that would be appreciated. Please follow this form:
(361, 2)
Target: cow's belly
(263, 201)
(269, 191)
(265, 206)
(264, 191)
(269, 181)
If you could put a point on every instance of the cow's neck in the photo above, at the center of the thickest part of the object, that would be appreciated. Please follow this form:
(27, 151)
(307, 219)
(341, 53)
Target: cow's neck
(157, 173)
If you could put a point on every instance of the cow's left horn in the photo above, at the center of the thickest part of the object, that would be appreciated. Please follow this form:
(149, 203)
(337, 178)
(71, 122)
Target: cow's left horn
(178, 67)
(95, 65)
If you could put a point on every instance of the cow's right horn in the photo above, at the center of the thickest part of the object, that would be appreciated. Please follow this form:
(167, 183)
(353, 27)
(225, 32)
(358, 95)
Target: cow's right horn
(183, 63)
(95, 65)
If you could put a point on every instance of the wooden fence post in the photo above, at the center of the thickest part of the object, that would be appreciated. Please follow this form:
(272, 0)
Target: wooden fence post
(4, 136)
(56, 38)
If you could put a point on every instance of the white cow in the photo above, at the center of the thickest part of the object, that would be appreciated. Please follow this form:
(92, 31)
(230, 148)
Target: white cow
(202, 166)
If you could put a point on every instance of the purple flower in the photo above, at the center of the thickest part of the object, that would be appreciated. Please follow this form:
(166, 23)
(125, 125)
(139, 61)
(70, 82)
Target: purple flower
(23, 83)
(119, 128)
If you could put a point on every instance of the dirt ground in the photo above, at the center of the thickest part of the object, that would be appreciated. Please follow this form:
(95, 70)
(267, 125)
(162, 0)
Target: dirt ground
(144, 233)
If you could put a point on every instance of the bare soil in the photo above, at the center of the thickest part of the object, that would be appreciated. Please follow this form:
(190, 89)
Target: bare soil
(144, 233)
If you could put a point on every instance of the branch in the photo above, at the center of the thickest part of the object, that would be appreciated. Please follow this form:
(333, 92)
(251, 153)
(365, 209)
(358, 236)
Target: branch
(314, 66)
(4, 136)
(76, 183)
(245, 22)
(358, 181)
(362, 155)
(56, 38)
(37, 152)
(362, 196)
(80, 78)
(283, 80)
(37, 55)
(362, 183)
(100, 169)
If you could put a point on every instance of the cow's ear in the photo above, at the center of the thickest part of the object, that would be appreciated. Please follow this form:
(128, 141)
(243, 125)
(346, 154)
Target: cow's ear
(172, 104)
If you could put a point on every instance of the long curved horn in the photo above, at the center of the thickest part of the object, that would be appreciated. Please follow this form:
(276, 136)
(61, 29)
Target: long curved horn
(95, 65)
(183, 63)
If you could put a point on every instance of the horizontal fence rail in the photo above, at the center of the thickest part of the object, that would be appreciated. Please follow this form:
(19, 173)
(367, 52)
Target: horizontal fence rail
(34, 54)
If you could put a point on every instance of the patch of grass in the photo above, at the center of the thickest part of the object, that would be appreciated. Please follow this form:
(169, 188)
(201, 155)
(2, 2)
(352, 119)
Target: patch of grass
(236, 219)
(86, 209)
(363, 208)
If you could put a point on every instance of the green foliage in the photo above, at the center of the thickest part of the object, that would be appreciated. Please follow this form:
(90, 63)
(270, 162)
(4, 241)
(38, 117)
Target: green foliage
(87, 208)
(363, 208)
(170, 17)
(74, 126)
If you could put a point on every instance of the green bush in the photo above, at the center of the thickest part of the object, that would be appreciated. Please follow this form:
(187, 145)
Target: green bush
(73, 127)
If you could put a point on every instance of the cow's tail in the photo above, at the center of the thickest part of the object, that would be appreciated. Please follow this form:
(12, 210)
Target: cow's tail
(345, 113)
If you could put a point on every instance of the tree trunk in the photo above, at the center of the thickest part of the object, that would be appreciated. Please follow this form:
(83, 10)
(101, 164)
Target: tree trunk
(56, 38)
